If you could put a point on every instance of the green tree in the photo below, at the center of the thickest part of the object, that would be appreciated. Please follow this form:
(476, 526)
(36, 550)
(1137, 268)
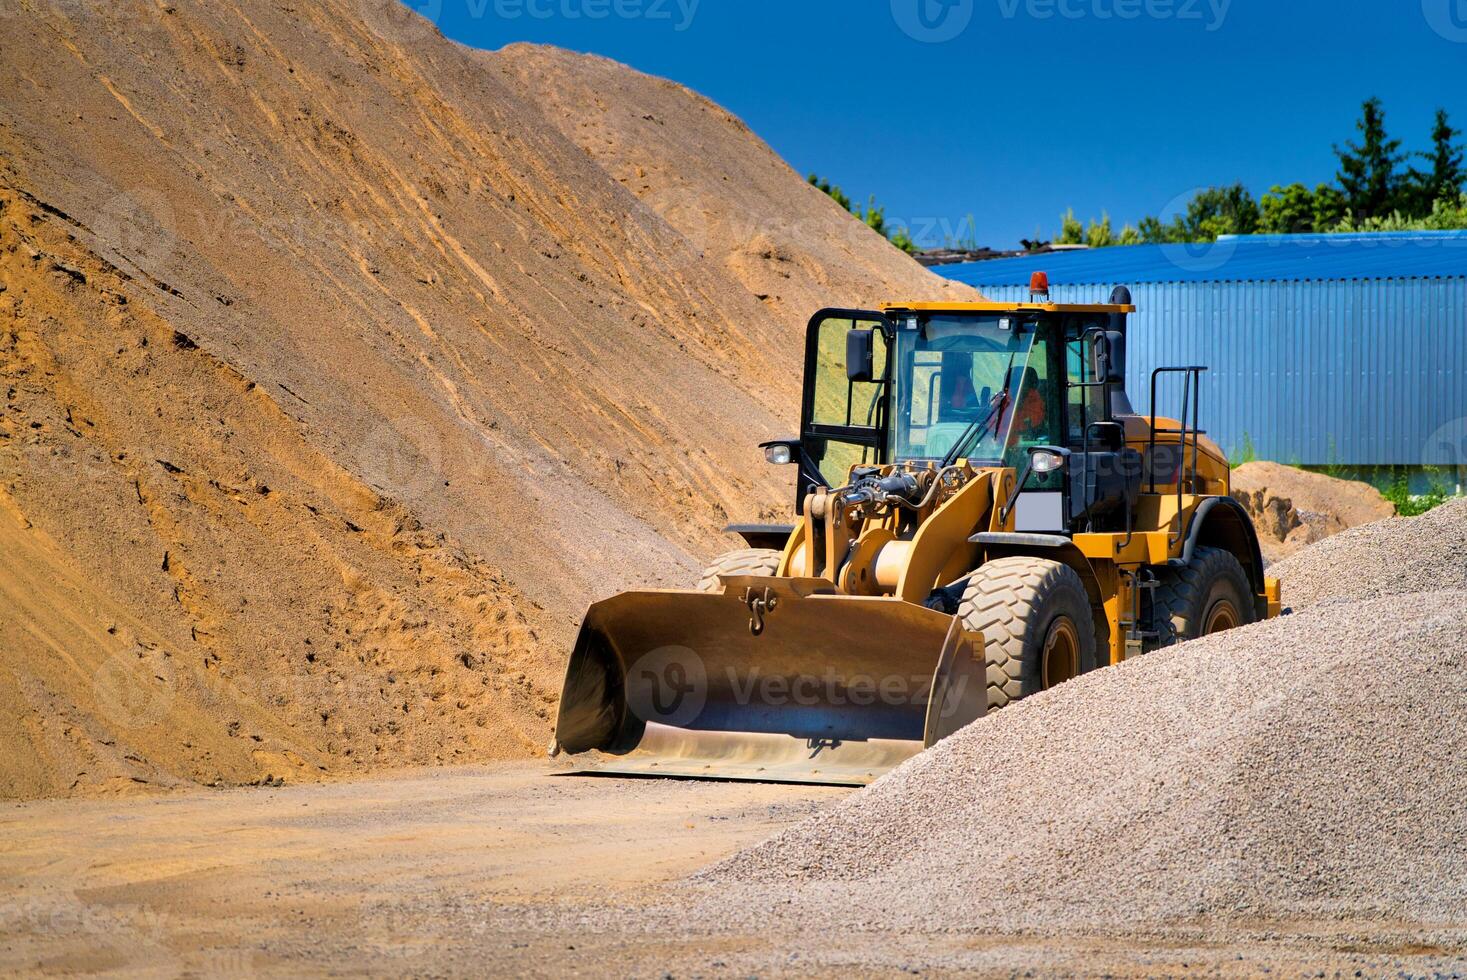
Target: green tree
(874, 217)
(1368, 169)
(1330, 207)
(1295, 209)
(1153, 232)
(1099, 235)
(1448, 215)
(1071, 231)
(1211, 212)
(1287, 210)
(969, 240)
(1443, 182)
(1095, 234)
(1375, 192)
(1216, 211)
(834, 193)
(1445, 216)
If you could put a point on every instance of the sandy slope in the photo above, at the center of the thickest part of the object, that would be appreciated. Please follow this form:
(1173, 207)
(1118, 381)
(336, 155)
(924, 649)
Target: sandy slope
(331, 365)
(192, 591)
(730, 196)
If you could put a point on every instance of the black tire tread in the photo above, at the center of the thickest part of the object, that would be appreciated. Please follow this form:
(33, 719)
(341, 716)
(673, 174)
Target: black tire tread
(1179, 597)
(746, 561)
(1001, 600)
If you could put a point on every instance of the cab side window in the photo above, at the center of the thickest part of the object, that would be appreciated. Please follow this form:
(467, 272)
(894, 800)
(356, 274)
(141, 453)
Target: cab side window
(839, 401)
(843, 415)
(1084, 405)
(1035, 395)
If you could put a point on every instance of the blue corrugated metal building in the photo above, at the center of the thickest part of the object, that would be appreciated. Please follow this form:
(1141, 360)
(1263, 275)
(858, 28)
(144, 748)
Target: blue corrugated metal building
(1323, 349)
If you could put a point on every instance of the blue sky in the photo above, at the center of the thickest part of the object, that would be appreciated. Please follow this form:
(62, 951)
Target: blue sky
(1014, 110)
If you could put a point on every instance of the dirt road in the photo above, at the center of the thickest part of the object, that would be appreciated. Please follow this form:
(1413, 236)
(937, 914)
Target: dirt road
(349, 876)
(498, 870)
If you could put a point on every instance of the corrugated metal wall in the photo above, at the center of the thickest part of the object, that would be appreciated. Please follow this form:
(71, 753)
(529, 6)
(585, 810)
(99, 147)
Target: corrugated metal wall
(1360, 372)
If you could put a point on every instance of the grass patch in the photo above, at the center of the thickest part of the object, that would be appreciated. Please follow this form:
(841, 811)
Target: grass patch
(1248, 454)
(1408, 504)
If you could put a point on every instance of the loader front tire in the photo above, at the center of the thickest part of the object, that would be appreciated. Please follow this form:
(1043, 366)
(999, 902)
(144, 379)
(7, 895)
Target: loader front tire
(1208, 596)
(747, 561)
(1037, 626)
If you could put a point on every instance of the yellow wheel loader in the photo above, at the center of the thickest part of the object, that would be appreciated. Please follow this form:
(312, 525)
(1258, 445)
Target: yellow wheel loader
(982, 516)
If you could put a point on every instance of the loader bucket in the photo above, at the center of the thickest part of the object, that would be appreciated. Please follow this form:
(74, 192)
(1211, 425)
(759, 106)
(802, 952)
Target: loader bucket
(775, 679)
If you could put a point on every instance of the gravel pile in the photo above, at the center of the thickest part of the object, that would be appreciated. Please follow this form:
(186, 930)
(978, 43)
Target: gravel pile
(1307, 768)
(1390, 557)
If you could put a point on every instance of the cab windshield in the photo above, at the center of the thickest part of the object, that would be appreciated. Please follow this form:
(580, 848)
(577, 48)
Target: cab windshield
(969, 386)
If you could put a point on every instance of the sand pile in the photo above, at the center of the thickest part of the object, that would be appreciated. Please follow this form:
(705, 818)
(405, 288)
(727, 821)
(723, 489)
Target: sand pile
(1391, 557)
(1293, 508)
(337, 381)
(1309, 767)
(730, 196)
(193, 590)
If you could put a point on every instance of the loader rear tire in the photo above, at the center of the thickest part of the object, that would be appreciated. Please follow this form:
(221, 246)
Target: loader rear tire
(1037, 625)
(747, 561)
(1208, 596)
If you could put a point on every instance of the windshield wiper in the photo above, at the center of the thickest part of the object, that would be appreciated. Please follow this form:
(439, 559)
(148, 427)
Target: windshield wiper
(977, 426)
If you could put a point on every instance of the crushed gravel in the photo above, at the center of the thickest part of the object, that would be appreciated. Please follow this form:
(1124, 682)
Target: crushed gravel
(1308, 768)
(1390, 557)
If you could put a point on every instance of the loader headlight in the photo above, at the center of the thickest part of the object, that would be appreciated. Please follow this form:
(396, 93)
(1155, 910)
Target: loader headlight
(1046, 462)
(779, 454)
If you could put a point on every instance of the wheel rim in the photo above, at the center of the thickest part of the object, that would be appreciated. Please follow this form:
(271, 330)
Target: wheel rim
(1222, 616)
(1061, 652)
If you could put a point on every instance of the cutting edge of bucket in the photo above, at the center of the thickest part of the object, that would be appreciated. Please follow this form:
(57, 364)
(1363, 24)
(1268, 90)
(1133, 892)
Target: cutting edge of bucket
(667, 752)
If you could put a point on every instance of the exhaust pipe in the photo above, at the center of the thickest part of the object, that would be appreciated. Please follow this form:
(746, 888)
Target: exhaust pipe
(1115, 336)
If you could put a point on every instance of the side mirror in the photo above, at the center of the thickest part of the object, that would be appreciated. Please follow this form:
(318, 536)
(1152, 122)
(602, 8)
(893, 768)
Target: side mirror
(1111, 358)
(861, 355)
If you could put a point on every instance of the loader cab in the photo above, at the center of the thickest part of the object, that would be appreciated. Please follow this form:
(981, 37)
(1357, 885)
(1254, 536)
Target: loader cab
(980, 387)
(989, 383)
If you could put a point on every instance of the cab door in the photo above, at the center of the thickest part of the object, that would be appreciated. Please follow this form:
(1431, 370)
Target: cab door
(843, 422)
